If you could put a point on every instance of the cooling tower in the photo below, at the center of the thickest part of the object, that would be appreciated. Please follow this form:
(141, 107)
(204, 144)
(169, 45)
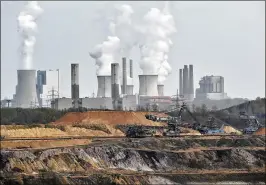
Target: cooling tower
(160, 89)
(131, 68)
(148, 85)
(104, 86)
(75, 84)
(130, 89)
(26, 92)
(180, 82)
(124, 66)
(185, 81)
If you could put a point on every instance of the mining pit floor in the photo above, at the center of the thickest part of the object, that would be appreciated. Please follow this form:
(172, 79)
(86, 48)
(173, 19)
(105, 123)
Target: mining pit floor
(119, 160)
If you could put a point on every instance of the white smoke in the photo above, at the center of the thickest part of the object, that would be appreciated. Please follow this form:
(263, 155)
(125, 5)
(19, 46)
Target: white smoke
(105, 54)
(122, 27)
(119, 44)
(156, 30)
(28, 27)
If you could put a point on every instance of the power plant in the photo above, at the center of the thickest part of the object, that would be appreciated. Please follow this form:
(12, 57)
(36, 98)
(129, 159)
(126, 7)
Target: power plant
(115, 85)
(211, 87)
(42, 90)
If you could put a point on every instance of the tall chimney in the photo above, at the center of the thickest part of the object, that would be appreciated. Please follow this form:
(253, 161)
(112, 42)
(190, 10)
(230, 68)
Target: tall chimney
(131, 68)
(104, 86)
(191, 81)
(148, 85)
(75, 84)
(124, 65)
(160, 89)
(180, 81)
(115, 84)
(185, 81)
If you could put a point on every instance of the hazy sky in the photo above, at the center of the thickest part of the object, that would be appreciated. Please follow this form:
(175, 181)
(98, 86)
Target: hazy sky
(218, 38)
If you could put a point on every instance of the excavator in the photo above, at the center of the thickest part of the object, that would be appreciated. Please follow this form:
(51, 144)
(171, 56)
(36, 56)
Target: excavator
(251, 121)
(173, 124)
(210, 128)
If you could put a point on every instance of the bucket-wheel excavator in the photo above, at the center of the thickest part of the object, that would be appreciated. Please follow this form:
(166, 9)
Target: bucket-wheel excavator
(251, 121)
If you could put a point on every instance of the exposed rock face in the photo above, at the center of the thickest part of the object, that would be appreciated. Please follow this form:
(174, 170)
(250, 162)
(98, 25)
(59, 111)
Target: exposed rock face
(150, 155)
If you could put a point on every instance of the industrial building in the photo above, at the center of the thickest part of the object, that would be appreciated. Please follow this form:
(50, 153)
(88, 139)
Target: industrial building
(47, 86)
(42, 90)
(186, 83)
(109, 95)
(115, 91)
(211, 87)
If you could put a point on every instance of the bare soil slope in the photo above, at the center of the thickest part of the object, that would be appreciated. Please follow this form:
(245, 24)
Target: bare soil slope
(107, 117)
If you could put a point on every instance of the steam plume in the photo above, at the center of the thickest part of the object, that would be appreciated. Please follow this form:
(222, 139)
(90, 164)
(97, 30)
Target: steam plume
(28, 27)
(157, 29)
(121, 26)
(104, 54)
(119, 43)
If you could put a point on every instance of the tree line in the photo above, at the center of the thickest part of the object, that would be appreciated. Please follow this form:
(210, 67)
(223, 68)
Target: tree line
(37, 115)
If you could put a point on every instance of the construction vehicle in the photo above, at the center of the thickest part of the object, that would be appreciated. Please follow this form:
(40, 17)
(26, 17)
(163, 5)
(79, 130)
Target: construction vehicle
(251, 121)
(151, 117)
(209, 128)
(253, 125)
(174, 123)
(139, 132)
(213, 127)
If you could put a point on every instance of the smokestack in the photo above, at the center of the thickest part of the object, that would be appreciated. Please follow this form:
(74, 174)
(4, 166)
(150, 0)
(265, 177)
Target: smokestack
(131, 68)
(104, 86)
(75, 84)
(191, 81)
(148, 85)
(26, 92)
(124, 65)
(160, 89)
(185, 81)
(115, 84)
(180, 81)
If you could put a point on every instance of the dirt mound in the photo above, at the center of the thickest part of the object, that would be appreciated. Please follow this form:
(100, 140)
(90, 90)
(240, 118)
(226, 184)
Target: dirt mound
(229, 130)
(108, 117)
(34, 132)
(261, 131)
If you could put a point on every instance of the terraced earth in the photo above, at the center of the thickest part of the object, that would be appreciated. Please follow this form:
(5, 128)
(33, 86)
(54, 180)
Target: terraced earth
(204, 160)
